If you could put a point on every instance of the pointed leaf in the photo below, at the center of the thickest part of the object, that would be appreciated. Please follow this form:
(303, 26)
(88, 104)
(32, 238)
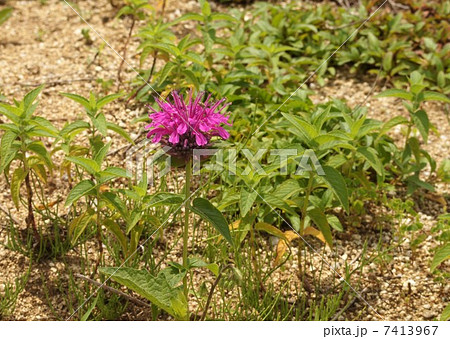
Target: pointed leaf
(82, 188)
(337, 183)
(157, 290)
(207, 211)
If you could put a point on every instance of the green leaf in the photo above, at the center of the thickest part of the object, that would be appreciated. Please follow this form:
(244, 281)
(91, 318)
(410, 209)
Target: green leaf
(86, 315)
(320, 219)
(117, 203)
(397, 93)
(119, 130)
(304, 128)
(46, 125)
(107, 99)
(157, 290)
(371, 155)
(287, 189)
(17, 178)
(114, 228)
(422, 123)
(441, 255)
(88, 164)
(435, 96)
(337, 183)
(38, 148)
(207, 211)
(197, 262)
(205, 7)
(5, 14)
(445, 316)
(7, 153)
(162, 199)
(387, 61)
(113, 172)
(246, 201)
(31, 96)
(79, 224)
(224, 16)
(11, 112)
(82, 188)
(101, 153)
(272, 230)
(76, 126)
(388, 125)
(335, 223)
(100, 123)
(168, 67)
(189, 16)
(78, 98)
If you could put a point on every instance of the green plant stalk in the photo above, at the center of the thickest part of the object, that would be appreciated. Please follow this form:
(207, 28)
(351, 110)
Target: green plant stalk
(99, 238)
(302, 221)
(254, 257)
(30, 220)
(187, 191)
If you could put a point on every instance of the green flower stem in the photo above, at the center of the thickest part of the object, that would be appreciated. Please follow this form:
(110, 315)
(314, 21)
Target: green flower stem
(187, 191)
(302, 222)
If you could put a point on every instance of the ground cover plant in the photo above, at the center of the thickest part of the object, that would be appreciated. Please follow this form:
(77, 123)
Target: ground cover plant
(234, 191)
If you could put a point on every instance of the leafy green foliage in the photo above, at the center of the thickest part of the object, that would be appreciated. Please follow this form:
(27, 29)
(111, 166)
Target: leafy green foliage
(162, 290)
(5, 14)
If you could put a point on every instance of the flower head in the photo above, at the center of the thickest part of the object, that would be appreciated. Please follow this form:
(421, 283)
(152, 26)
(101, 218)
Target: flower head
(186, 125)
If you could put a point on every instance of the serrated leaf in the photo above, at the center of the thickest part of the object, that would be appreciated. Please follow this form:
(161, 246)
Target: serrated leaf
(6, 151)
(119, 130)
(79, 224)
(78, 98)
(17, 178)
(5, 14)
(272, 230)
(319, 218)
(435, 96)
(207, 211)
(337, 184)
(31, 96)
(387, 61)
(76, 126)
(117, 203)
(246, 201)
(100, 123)
(82, 188)
(440, 256)
(335, 223)
(101, 153)
(157, 290)
(370, 154)
(39, 149)
(422, 123)
(445, 316)
(397, 93)
(162, 199)
(114, 228)
(197, 262)
(224, 16)
(107, 99)
(113, 172)
(88, 164)
(303, 127)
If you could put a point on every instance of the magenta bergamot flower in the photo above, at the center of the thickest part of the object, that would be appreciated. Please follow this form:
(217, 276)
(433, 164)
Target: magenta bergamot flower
(185, 126)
